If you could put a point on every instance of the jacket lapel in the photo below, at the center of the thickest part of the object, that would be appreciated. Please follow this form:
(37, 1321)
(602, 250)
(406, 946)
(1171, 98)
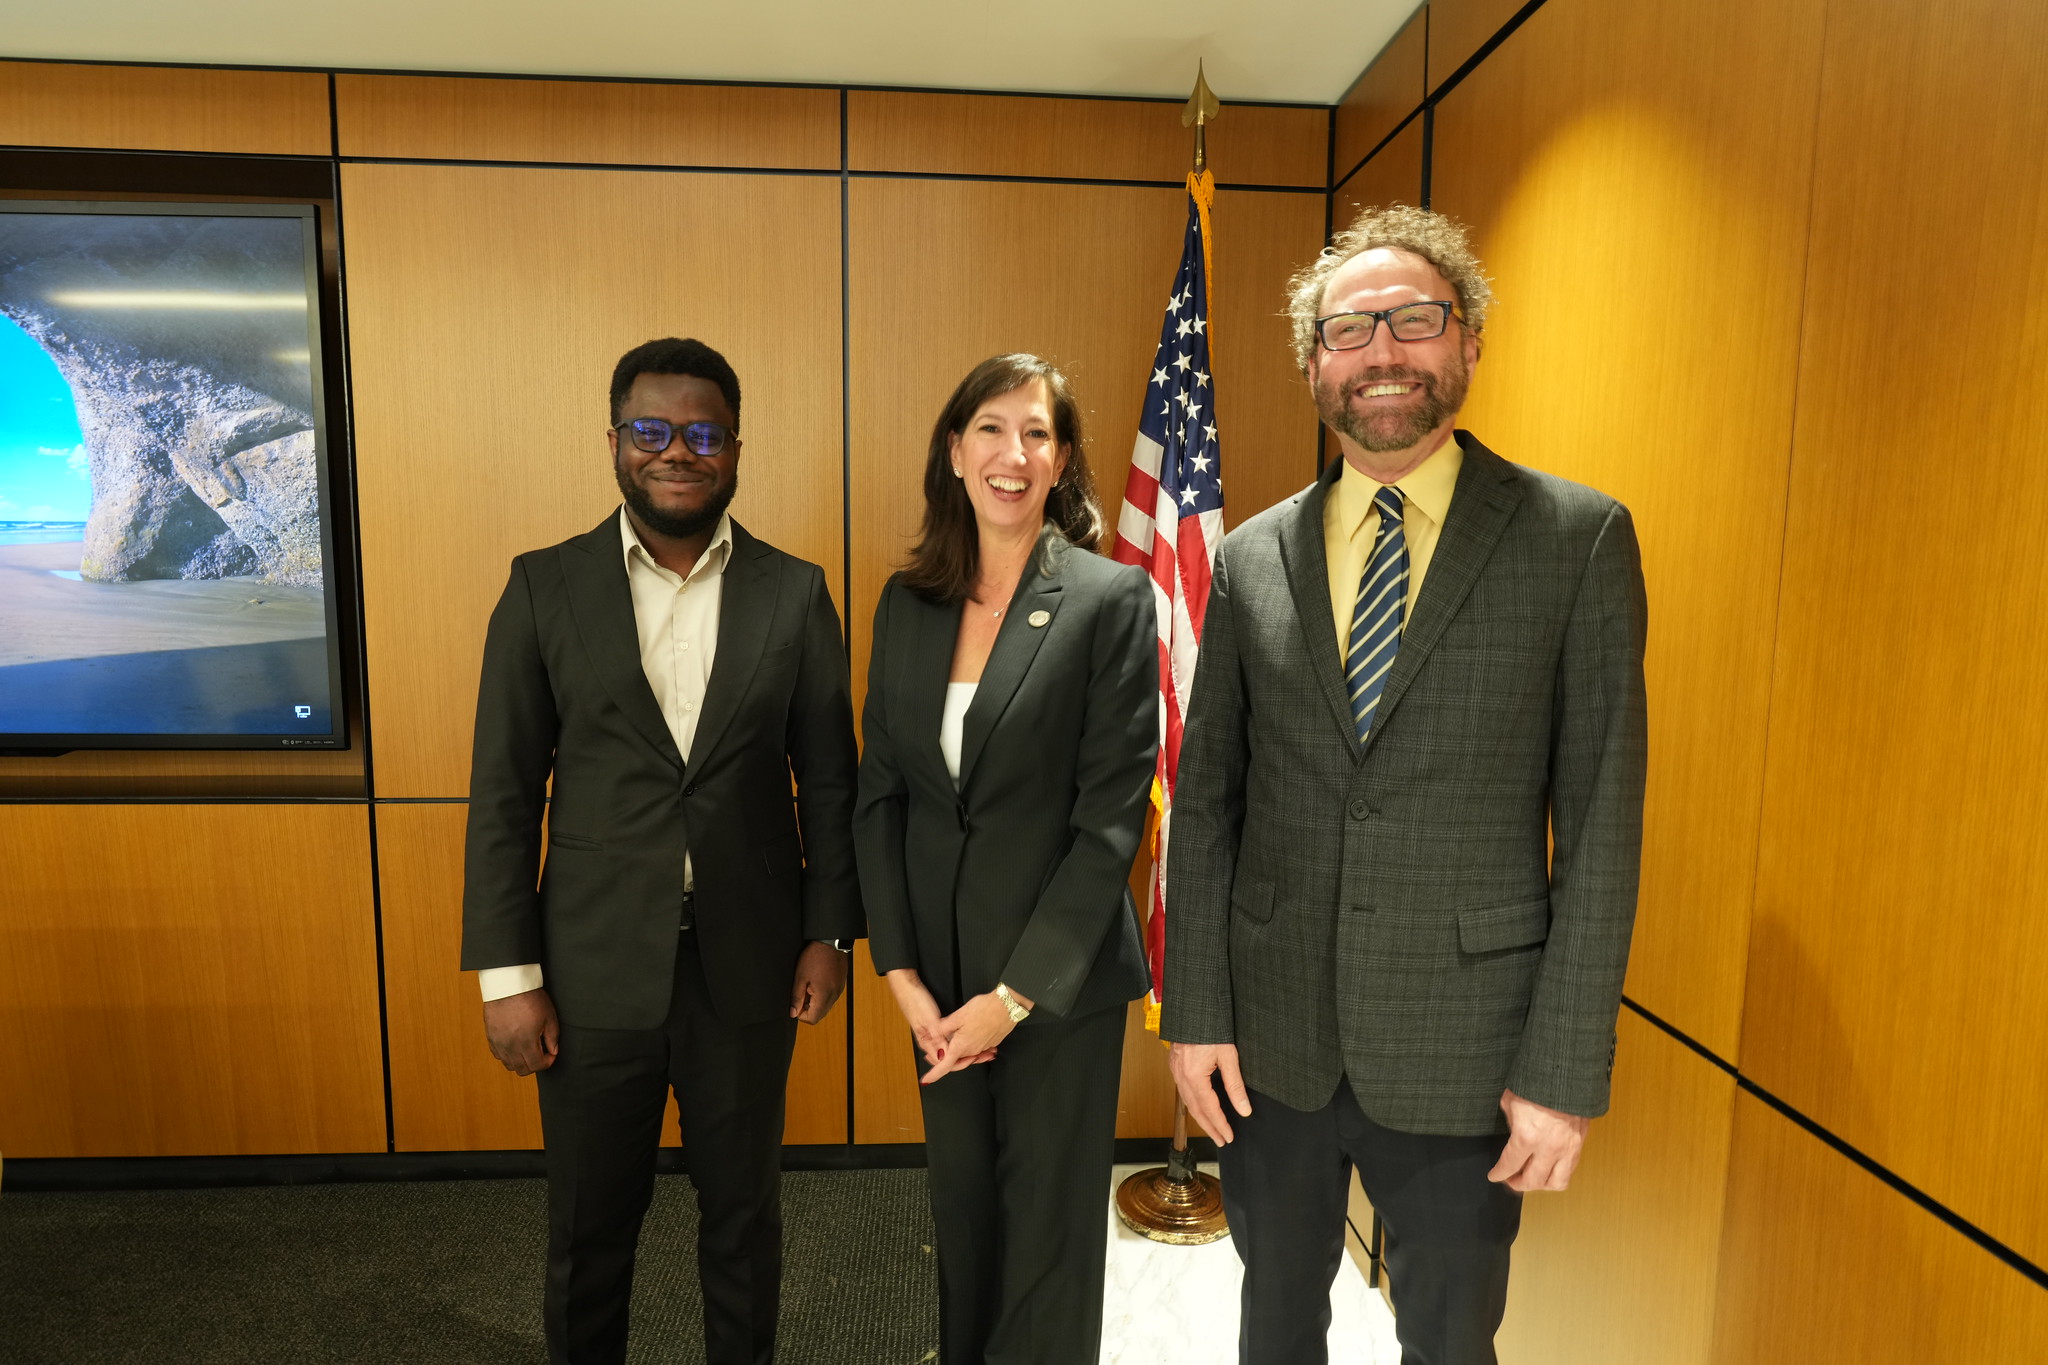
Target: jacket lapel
(746, 618)
(602, 602)
(1481, 506)
(1308, 575)
(1017, 642)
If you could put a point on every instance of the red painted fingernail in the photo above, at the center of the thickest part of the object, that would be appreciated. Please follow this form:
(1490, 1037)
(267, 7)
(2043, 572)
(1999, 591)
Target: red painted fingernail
(942, 1054)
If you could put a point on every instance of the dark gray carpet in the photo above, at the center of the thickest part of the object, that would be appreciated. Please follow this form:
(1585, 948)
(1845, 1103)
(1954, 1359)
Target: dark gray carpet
(440, 1273)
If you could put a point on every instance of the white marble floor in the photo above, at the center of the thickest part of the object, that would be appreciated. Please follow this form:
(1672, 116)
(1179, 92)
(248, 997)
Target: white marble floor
(1173, 1305)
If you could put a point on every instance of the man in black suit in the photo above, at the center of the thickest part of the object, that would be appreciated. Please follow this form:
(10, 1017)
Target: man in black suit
(667, 673)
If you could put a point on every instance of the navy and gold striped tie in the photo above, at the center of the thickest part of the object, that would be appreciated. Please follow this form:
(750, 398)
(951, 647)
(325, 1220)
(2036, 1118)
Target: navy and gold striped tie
(1376, 619)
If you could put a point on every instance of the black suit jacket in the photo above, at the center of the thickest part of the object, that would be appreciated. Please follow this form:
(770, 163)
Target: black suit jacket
(564, 697)
(1021, 875)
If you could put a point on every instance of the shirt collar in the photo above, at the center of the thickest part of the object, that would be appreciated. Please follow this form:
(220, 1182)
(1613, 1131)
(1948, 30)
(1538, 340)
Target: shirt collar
(709, 564)
(1428, 486)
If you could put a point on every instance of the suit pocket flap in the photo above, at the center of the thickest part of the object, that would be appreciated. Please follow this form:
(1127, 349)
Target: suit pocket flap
(563, 839)
(1252, 899)
(1495, 927)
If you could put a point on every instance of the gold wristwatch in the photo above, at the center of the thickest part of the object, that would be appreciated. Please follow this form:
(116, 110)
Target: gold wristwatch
(1018, 1014)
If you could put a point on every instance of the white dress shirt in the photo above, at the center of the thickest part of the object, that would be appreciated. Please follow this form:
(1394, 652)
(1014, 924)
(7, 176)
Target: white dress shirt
(677, 621)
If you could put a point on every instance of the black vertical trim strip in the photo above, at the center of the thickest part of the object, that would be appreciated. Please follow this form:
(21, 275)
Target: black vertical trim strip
(846, 494)
(361, 642)
(333, 119)
(1428, 150)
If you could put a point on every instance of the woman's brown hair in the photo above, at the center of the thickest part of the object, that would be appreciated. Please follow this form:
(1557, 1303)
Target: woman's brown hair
(947, 557)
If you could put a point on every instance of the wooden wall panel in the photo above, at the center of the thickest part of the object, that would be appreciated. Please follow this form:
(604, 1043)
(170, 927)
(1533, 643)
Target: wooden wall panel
(610, 122)
(447, 1092)
(487, 307)
(1459, 28)
(1622, 164)
(1899, 970)
(188, 980)
(1620, 1269)
(1392, 177)
(1384, 94)
(1249, 144)
(1825, 1265)
(945, 274)
(165, 109)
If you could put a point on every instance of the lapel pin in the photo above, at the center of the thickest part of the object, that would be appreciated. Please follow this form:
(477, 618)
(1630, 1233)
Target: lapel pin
(1039, 618)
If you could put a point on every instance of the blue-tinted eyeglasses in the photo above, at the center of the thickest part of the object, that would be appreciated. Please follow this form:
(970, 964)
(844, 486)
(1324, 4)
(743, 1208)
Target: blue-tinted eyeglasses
(653, 435)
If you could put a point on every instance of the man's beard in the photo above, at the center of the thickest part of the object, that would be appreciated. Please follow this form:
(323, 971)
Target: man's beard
(680, 525)
(1442, 395)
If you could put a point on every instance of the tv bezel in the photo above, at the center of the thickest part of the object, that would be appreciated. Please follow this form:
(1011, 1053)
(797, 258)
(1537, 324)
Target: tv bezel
(25, 743)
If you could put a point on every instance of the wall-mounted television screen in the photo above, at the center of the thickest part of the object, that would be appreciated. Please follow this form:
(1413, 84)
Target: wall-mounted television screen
(165, 532)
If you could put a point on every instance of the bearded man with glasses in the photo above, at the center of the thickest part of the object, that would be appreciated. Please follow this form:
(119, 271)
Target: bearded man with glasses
(1407, 824)
(649, 689)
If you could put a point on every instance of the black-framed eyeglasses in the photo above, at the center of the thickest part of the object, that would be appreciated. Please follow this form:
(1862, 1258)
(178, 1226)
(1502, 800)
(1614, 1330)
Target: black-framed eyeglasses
(1409, 322)
(654, 435)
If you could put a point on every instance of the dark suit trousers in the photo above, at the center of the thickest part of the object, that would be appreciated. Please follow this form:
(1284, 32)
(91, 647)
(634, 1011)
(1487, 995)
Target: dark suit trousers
(1286, 1182)
(601, 1107)
(1019, 1153)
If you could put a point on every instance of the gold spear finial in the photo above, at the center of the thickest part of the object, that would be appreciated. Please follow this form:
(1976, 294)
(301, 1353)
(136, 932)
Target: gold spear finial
(1202, 106)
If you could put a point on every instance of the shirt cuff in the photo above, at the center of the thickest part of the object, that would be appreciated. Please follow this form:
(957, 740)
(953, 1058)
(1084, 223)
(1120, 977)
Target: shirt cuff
(499, 982)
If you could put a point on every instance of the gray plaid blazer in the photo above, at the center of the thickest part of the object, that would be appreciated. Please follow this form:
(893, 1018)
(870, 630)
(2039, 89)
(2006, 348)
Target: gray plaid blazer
(1391, 912)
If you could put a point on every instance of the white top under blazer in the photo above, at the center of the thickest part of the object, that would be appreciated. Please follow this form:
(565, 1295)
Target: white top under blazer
(959, 696)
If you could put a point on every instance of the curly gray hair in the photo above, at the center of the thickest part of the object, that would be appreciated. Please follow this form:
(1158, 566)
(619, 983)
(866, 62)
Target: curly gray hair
(1441, 241)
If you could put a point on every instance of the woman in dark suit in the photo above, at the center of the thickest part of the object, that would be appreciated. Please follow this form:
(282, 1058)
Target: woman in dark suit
(1011, 726)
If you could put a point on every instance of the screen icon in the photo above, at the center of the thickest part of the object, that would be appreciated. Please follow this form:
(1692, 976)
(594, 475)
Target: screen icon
(303, 712)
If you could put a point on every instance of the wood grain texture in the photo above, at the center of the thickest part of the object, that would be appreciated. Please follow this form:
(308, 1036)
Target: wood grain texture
(601, 122)
(919, 131)
(1899, 967)
(199, 774)
(448, 1094)
(1620, 1269)
(1384, 93)
(1825, 1265)
(1076, 273)
(508, 295)
(1622, 164)
(188, 980)
(1394, 176)
(165, 109)
(1459, 28)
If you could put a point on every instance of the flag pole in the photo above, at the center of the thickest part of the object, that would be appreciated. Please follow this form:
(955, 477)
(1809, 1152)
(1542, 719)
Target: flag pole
(1176, 1203)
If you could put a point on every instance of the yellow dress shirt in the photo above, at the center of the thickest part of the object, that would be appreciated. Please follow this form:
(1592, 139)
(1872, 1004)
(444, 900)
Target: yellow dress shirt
(1351, 524)
(677, 621)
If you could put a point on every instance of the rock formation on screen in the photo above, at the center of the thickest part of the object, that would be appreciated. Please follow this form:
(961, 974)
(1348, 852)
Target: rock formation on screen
(198, 423)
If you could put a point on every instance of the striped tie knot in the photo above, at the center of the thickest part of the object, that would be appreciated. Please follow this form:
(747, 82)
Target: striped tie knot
(1388, 500)
(1376, 617)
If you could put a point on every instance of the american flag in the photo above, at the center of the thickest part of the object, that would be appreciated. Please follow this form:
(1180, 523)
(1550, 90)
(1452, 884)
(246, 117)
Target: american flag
(1172, 521)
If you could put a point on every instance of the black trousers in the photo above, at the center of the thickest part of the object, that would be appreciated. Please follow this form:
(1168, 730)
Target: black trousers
(1286, 1181)
(1019, 1153)
(601, 1106)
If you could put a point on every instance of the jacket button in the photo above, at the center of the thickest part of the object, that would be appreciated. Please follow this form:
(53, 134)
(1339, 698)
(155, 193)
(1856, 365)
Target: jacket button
(690, 790)
(1359, 810)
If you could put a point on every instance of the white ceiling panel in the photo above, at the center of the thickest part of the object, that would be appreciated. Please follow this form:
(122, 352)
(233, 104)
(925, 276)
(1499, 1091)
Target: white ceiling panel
(1277, 50)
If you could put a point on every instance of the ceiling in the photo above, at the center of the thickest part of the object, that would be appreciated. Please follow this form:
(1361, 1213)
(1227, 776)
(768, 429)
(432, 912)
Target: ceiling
(1289, 50)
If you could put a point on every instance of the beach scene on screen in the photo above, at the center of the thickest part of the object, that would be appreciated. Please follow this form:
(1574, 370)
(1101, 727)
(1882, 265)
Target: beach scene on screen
(161, 567)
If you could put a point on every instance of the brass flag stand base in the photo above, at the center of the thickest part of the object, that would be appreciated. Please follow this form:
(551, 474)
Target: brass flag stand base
(1175, 1203)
